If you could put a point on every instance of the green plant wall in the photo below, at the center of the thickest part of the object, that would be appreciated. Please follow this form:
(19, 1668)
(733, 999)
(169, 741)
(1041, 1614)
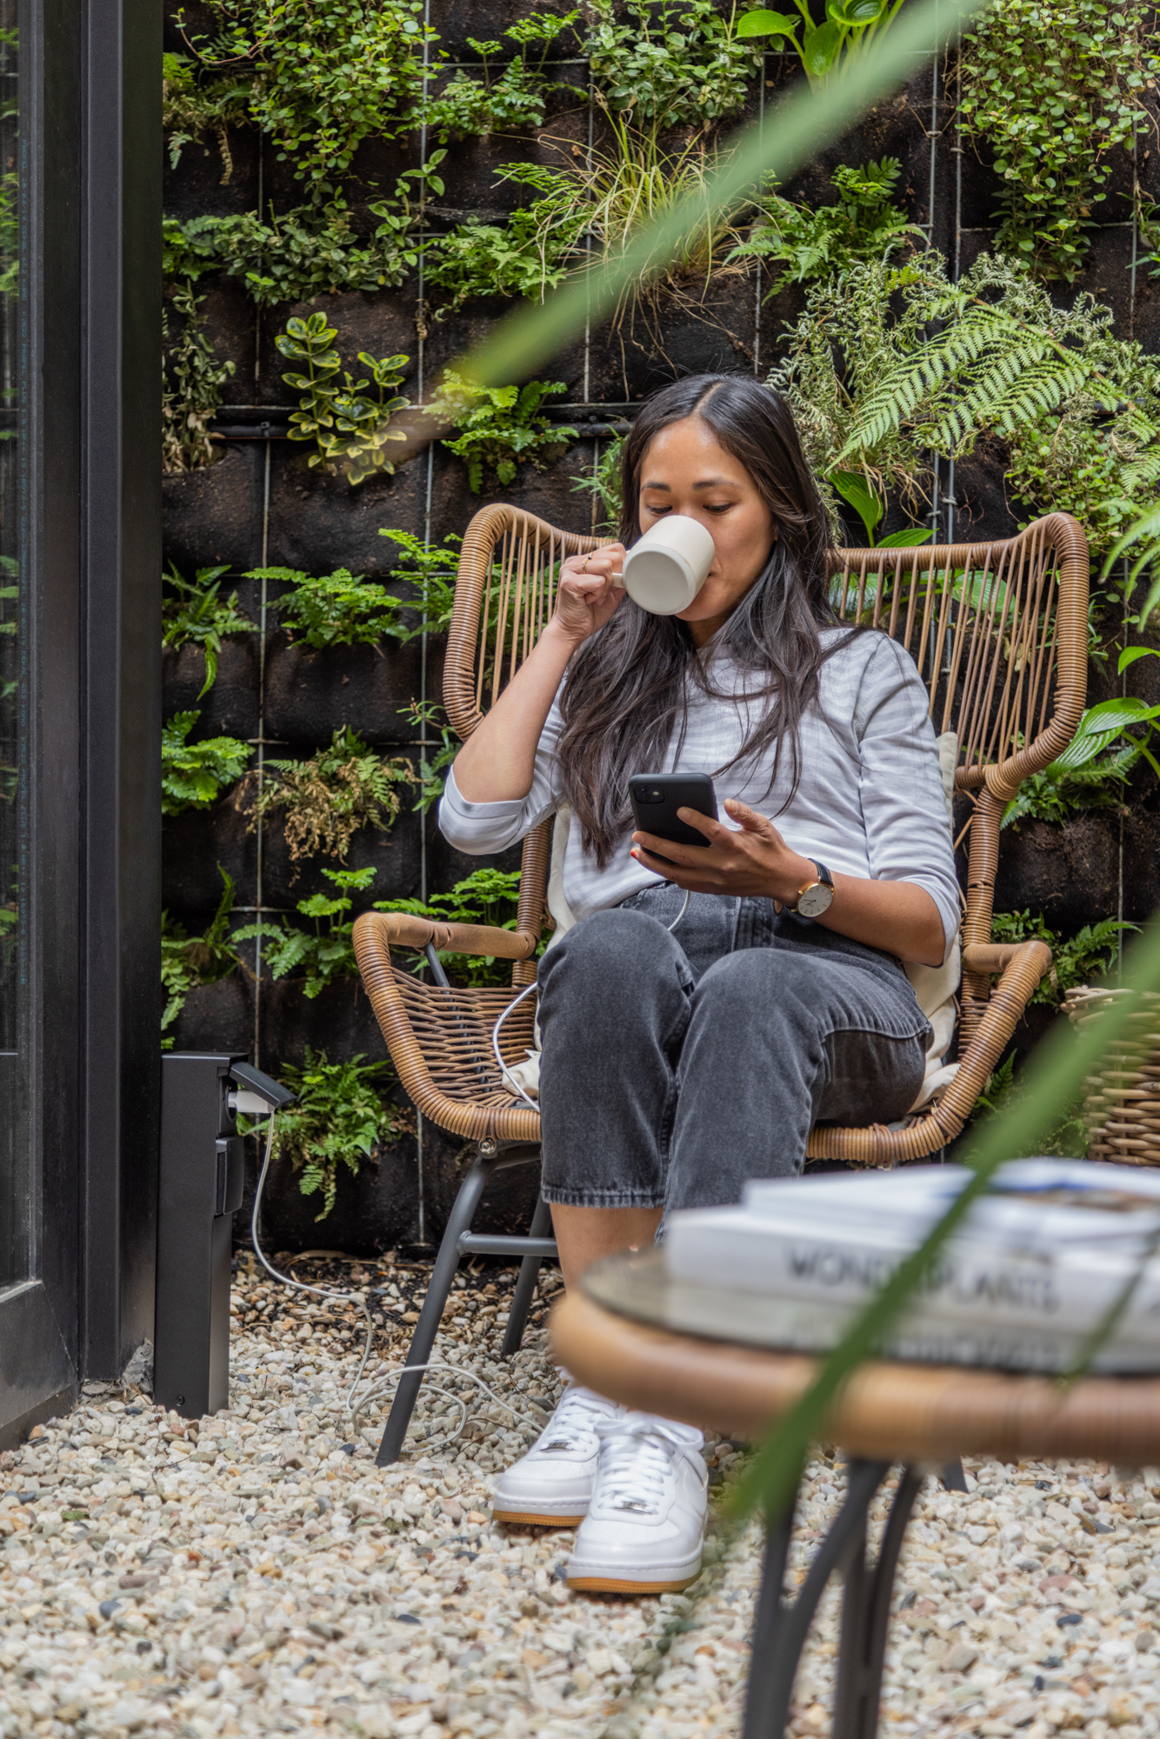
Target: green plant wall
(353, 202)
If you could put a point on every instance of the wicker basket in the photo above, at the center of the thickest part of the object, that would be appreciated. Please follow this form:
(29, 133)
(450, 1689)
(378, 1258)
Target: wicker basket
(1122, 1102)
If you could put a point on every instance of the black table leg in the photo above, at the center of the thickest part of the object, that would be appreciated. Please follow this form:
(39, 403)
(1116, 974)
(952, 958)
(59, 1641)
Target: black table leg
(866, 1619)
(781, 1626)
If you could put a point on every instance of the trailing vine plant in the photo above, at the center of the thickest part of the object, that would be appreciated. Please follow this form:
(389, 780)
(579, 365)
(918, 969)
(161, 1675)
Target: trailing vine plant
(674, 64)
(1050, 91)
(308, 250)
(193, 378)
(525, 257)
(318, 80)
(663, 75)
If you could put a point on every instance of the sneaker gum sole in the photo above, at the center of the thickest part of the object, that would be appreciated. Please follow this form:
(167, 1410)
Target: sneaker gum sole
(624, 1585)
(537, 1518)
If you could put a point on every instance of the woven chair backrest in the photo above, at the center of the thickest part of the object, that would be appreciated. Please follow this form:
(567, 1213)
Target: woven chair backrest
(998, 631)
(999, 634)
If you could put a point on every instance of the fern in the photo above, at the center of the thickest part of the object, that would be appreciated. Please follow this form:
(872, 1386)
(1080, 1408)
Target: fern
(1057, 793)
(487, 896)
(1142, 538)
(339, 1119)
(919, 379)
(891, 365)
(325, 800)
(1091, 953)
(1041, 387)
(187, 961)
(193, 775)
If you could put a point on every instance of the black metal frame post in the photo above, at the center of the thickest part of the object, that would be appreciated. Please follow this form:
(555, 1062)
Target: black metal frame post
(121, 590)
(38, 1315)
(781, 1627)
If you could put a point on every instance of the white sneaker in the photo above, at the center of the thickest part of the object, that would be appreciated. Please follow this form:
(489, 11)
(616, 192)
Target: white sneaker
(552, 1483)
(646, 1517)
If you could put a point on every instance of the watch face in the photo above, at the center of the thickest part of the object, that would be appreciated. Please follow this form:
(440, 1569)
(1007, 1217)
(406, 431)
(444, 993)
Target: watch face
(815, 900)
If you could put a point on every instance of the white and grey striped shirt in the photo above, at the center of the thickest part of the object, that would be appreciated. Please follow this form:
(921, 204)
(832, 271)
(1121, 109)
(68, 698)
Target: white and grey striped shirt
(869, 801)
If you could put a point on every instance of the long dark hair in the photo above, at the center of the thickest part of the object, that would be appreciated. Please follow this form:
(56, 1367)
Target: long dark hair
(626, 694)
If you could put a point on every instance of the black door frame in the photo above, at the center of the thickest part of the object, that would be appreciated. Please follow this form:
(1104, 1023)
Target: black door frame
(90, 93)
(121, 555)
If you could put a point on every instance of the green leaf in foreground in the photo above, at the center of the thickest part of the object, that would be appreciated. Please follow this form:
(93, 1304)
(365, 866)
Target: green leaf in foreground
(1054, 1080)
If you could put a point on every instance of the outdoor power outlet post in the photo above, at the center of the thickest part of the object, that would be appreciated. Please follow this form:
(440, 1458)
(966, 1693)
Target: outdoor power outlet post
(202, 1180)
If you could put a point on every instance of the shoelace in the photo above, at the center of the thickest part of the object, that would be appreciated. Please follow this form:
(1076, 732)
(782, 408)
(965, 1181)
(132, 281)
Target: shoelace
(636, 1461)
(578, 1415)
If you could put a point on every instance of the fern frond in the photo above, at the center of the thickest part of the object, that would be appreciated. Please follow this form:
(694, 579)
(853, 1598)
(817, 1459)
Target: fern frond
(994, 382)
(1012, 391)
(1142, 473)
(902, 390)
(1042, 387)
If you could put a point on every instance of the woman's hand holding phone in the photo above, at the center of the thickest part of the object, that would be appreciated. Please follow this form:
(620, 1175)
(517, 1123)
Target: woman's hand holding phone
(589, 591)
(750, 859)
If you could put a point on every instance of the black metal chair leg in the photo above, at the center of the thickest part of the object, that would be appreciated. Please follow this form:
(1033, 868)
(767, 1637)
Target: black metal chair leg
(526, 1283)
(442, 1276)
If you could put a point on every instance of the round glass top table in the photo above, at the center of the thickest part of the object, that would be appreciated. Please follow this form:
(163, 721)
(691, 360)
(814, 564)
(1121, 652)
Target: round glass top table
(701, 1354)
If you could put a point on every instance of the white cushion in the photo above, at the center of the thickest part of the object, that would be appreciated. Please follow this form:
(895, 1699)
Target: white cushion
(937, 987)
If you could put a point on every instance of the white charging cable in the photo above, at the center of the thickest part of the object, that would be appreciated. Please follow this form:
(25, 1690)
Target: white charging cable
(505, 1074)
(383, 1387)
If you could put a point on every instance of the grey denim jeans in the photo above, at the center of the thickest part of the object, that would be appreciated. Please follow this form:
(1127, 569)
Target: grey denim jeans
(676, 1066)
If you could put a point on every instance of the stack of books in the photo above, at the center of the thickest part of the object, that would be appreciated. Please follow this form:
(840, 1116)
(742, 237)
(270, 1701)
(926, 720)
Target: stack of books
(1038, 1262)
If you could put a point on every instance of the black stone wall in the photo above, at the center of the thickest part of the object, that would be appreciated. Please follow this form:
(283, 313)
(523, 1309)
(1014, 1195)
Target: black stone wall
(260, 504)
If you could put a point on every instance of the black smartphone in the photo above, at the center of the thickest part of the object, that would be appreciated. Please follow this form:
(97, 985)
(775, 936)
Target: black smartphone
(656, 797)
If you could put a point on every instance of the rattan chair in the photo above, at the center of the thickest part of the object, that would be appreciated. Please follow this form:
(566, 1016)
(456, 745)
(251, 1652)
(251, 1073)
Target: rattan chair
(998, 632)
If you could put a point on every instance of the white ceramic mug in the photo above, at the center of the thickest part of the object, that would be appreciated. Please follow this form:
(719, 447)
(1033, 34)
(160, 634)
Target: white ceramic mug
(666, 568)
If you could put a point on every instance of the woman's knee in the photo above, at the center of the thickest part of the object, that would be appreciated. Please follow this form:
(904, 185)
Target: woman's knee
(758, 977)
(607, 948)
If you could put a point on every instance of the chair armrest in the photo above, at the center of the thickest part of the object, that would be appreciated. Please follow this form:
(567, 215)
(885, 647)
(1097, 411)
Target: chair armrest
(1023, 965)
(405, 930)
(995, 957)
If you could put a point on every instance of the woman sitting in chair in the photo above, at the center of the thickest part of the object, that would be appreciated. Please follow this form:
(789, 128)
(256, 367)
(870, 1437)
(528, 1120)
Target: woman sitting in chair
(712, 1001)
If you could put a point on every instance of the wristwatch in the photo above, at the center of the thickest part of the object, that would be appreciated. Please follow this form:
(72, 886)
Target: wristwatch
(814, 898)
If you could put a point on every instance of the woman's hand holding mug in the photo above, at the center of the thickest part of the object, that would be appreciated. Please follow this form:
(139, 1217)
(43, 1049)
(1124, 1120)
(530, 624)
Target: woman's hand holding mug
(590, 590)
(663, 573)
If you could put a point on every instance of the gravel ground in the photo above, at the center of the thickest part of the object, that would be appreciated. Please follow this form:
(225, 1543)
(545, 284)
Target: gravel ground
(254, 1573)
